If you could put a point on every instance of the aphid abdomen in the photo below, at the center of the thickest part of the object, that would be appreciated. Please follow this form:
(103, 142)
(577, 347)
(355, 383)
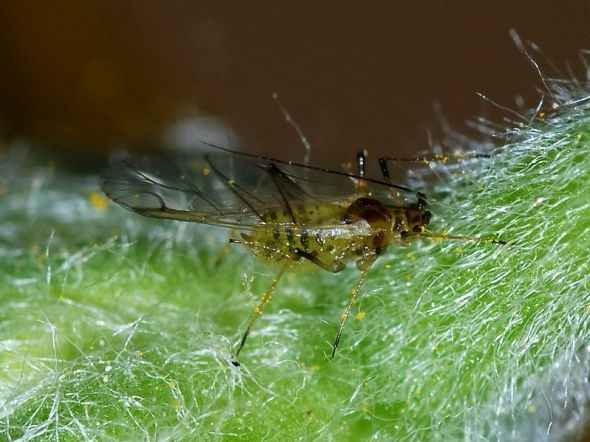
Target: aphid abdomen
(279, 243)
(318, 238)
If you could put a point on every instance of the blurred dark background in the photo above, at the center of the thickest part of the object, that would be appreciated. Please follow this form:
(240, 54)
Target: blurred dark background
(95, 75)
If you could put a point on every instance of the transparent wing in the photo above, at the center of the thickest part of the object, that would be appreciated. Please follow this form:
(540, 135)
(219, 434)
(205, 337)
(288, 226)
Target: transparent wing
(235, 189)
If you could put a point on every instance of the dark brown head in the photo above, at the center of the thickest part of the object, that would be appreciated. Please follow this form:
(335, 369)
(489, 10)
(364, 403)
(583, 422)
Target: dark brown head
(403, 221)
(417, 219)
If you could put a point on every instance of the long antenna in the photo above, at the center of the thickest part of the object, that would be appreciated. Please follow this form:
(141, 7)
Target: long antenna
(444, 236)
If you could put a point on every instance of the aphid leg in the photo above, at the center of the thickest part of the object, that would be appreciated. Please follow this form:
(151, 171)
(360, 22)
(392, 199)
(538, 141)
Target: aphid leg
(386, 175)
(294, 125)
(264, 299)
(360, 185)
(361, 170)
(346, 313)
(384, 169)
(361, 162)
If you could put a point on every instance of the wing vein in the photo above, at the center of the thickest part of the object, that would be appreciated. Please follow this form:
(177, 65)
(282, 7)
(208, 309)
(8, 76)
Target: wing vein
(235, 188)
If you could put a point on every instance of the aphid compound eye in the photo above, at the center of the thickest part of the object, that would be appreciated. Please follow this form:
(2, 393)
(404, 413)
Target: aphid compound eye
(422, 204)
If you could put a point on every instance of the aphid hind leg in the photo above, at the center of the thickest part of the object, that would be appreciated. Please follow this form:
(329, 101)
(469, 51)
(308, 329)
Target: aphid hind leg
(346, 313)
(258, 309)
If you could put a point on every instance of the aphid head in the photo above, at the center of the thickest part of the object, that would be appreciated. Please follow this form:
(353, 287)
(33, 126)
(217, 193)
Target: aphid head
(406, 221)
(418, 220)
(418, 217)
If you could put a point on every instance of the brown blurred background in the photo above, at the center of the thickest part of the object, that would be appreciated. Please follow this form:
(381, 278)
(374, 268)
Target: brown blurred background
(103, 73)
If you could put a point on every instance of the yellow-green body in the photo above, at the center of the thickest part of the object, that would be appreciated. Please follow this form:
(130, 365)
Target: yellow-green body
(331, 234)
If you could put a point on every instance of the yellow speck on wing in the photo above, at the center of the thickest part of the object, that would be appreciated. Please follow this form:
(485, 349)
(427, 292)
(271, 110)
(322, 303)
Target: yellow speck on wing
(206, 171)
(98, 201)
(360, 315)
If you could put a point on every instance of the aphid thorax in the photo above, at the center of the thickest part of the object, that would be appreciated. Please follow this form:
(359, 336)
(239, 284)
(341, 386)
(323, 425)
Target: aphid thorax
(387, 223)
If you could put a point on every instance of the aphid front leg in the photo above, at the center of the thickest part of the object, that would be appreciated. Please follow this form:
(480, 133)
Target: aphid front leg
(353, 299)
(258, 309)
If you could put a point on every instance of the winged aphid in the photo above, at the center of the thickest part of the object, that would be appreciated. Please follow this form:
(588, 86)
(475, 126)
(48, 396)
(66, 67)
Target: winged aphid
(285, 212)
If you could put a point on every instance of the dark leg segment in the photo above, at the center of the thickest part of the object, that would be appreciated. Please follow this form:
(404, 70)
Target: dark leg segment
(346, 313)
(264, 299)
(361, 163)
(384, 170)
